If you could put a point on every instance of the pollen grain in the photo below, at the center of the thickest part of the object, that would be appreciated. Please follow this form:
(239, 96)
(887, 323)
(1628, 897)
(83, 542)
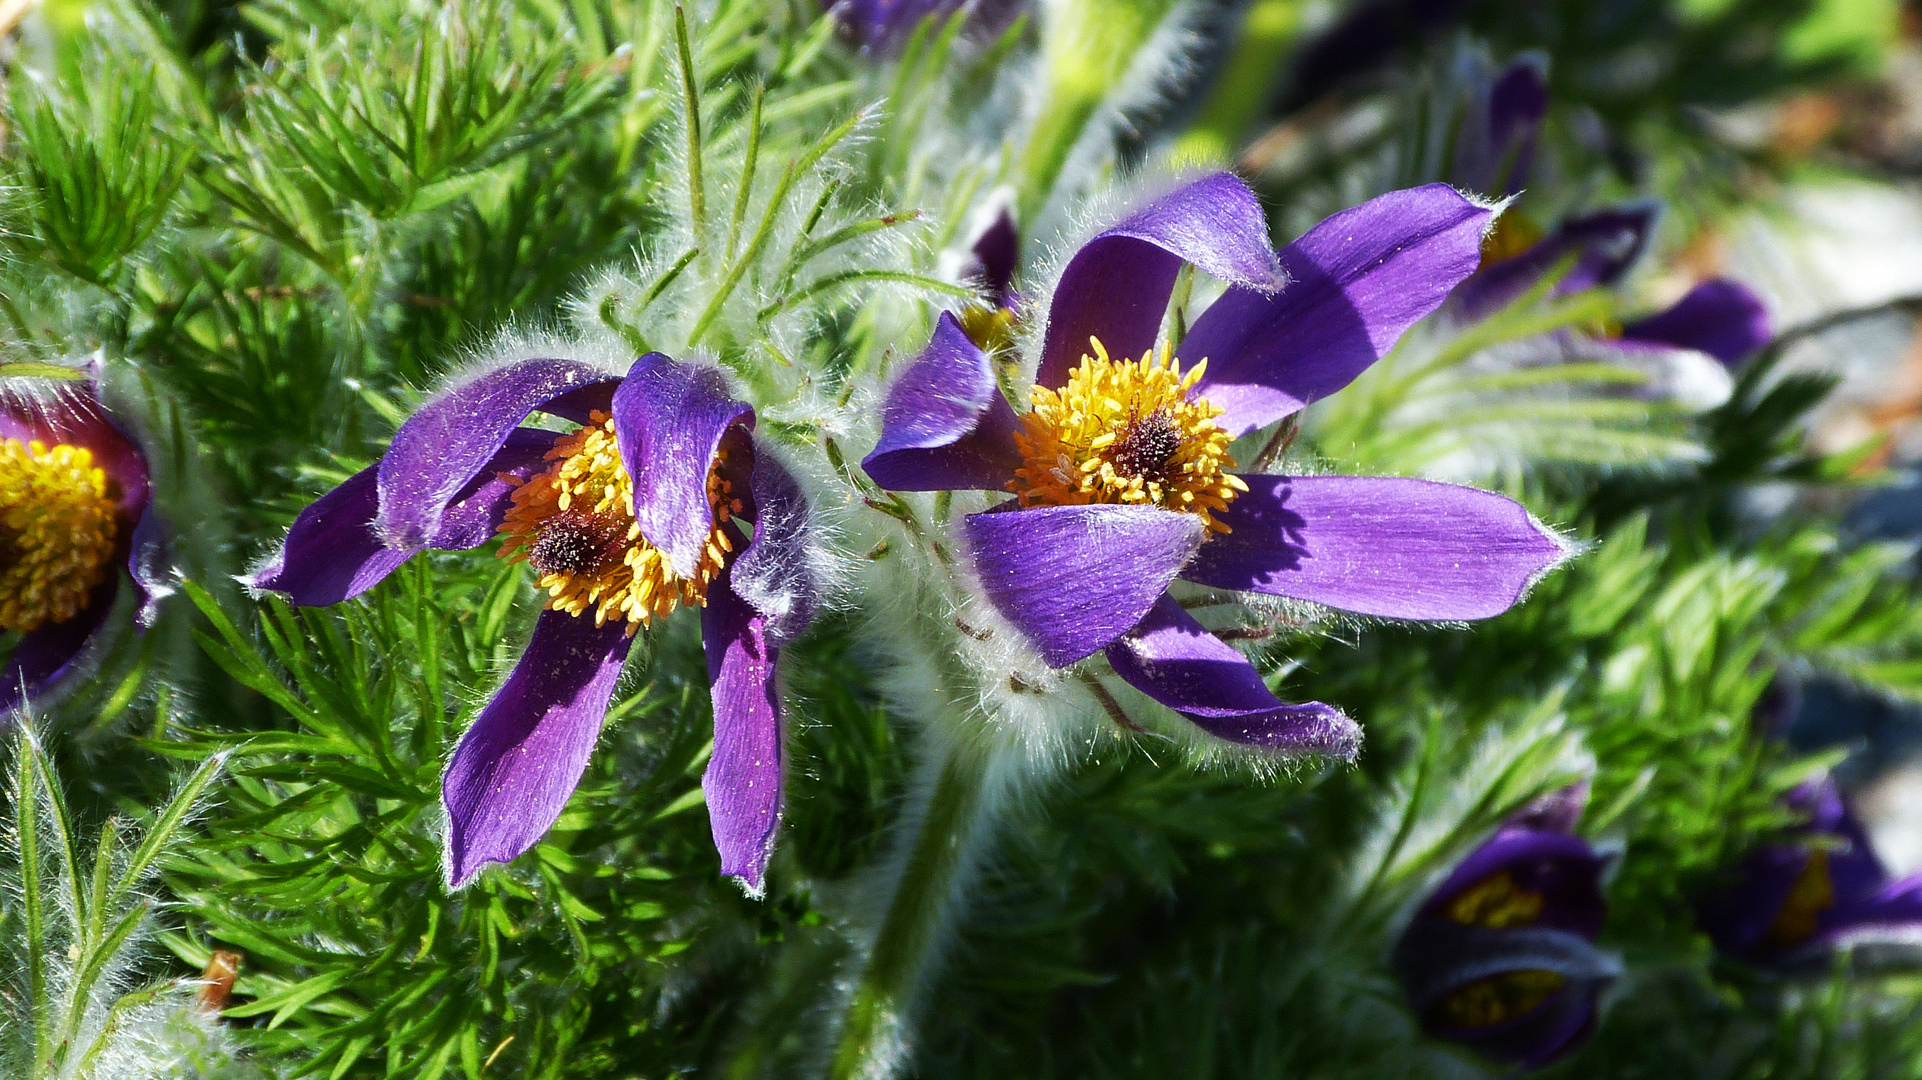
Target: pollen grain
(58, 529)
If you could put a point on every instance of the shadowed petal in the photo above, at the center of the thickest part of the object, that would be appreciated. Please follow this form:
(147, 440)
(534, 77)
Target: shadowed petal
(1384, 546)
(1496, 147)
(1357, 282)
(1170, 657)
(945, 425)
(772, 573)
(515, 767)
(1599, 248)
(1719, 317)
(147, 566)
(1075, 578)
(442, 447)
(1439, 958)
(997, 255)
(743, 779)
(670, 418)
(332, 553)
(52, 653)
(1563, 869)
(1117, 286)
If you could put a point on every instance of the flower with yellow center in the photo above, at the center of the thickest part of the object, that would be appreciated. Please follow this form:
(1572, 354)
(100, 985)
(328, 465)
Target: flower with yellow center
(574, 524)
(58, 530)
(1801, 915)
(1126, 431)
(1497, 903)
(1499, 999)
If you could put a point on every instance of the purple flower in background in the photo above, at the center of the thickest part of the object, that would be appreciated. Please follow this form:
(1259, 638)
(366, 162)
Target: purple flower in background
(75, 505)
(1821, 889)
(1719, 317)
(634, 513)
(1501, 957)
(993, 259)
(1121, 471)
(1495, 147)
(882, 25)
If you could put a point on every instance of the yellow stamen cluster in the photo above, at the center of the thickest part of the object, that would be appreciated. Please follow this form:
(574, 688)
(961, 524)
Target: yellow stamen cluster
(574, 523)
(58, 527)
(1498, 999)
(1497, 903)
(1801, 913)
(1126, 432)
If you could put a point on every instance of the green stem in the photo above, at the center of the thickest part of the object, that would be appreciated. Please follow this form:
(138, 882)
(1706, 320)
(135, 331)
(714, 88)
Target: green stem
(959, 809)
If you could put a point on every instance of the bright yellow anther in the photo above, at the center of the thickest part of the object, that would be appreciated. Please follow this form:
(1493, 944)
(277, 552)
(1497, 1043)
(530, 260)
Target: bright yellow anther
(574, 523)
(58, 528)
(1126, 431)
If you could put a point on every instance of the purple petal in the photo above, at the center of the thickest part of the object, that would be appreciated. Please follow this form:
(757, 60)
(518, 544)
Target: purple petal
(1496, 148)
(945, 425)
(1719, 317)
(52, 653)
(332, 554)
(441, 448)
(1075, 578)
(1563, 869)
(670, 418)
(1893, 913)
(997, 255)
(1603, 245)
(1358, 281)
(1116, 287)
(1384, 546)
(772, 573)
(743, 778)
(147, 565)
(1436, 958)
(515, 767)
(1170, 657)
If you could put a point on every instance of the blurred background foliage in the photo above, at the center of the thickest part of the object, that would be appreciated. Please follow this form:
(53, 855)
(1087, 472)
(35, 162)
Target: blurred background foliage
(291, 216)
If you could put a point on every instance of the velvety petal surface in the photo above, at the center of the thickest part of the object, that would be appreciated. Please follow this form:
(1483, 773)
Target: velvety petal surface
(772, 573)
(515, 767)
(1073, 579)
(1357, 282)
(1171, 658)
(332, 553)
(1599, 247)
(442, 447)
(1116, 287)
(53, 653)
(945, 425)
(670, 418)
(743, 778)
(1719, 317)
(1384, 546)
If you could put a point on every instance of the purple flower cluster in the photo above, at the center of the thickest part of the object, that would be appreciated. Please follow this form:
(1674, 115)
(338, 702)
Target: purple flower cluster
(1120, 468)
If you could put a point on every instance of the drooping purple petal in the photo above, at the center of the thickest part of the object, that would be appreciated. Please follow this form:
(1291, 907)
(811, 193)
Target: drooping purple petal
(442, 447)
(670, 419)
(1437, 958)
(1563, 869)
(997, 255)
(147, 566)
(945, 425)
(1496, 147)
(332, 552)
(1598, 247)
(1383, 546)
(53, 652)
(1171, 658)
(516, 766)
(743, 778)
(1357, 282)
(1719, 317)
(1116, 287)
(1073, 579)
(772, 573)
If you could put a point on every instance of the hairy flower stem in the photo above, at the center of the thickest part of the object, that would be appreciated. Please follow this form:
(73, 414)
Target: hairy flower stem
(958, 813)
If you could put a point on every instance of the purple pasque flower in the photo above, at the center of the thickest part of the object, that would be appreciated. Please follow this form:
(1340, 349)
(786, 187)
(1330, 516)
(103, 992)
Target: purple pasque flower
(636, 512)
(1821, 889)
(1121, 473)
(1722, 318)
(1495, 146)
(1501, 957)
(883, 25)
(76, 504)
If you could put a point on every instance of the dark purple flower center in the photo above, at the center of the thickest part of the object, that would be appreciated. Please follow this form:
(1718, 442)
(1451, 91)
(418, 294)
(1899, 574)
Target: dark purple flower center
(573, 542)
(1145, 445)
